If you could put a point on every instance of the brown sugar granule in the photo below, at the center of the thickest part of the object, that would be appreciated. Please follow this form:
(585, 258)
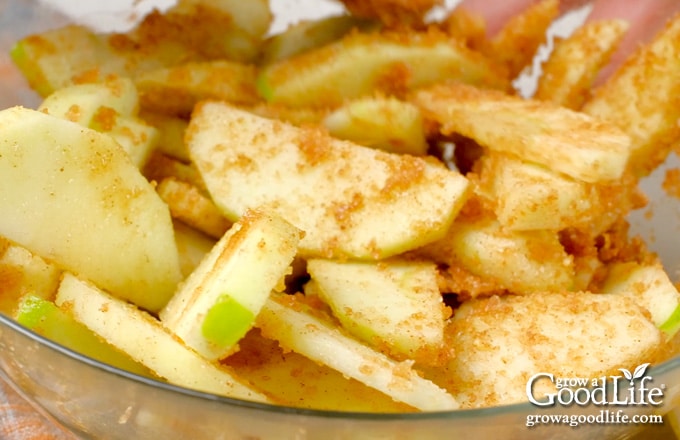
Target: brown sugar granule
(577, 242)
(404, 171)
(342, 212)
(105, 118)
(615, 245)
(254, 350)
(394, 80)
(314, 144)
(476, 207)
(465, 284)
(87, 76)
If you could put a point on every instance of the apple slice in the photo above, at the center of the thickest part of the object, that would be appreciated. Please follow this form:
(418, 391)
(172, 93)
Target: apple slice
(217, 29)
(74, 55)
(80, 103)
(71, 195)
(350, 200)
(651, 288)
(145, 340)
(45, 318)
(284, 319)
(394, 304)
(532, 197)
(176, 89)
(218, 303)
(650, 119)
(21, 273)
(190, 205)
(161, 166)
(171, 131)
(311, 34)
(521, 261)
(302, 383)
(385, 123)
(584, 52)
(50, 60)
(192, 246)
(111, 107)
(137, 138)
(560, 139)
(501, 341)
(361, 64)
(516, 43)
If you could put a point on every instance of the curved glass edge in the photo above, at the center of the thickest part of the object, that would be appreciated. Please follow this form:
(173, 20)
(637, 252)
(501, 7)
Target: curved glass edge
(524, 407)
(36, 16)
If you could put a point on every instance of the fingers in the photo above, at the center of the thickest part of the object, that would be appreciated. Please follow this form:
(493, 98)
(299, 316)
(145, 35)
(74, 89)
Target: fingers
(497, 13)
(646, 19)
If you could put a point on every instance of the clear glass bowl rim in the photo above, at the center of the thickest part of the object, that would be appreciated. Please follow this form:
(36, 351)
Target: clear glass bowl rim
(672, 364)
(525, 407)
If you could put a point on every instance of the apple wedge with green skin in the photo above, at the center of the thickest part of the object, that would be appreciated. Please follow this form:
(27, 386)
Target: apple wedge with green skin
(81, 102)
(175, 90)
(74, 54)
(145, 340)
(651, 288)
(350, 200)
(45, 318)
(395, 304)
(218, 303)
(110, 107)
(50, 60)
(362, 63)
(72, 196)
(284, 319)
(385, 123)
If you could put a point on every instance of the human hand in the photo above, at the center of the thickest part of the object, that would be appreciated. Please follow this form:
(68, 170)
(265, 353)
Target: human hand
(646, 18)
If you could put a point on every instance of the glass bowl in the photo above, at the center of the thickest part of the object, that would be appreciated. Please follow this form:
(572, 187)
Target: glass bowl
(94, 400)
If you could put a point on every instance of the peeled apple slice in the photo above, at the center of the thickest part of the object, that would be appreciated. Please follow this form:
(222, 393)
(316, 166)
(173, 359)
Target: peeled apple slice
(144, 339)
(394, 304)
(384, 123)
(286, 321)
(110, 107)
(350, 201)
(650, 287)
(361, 63)
(73, 196)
